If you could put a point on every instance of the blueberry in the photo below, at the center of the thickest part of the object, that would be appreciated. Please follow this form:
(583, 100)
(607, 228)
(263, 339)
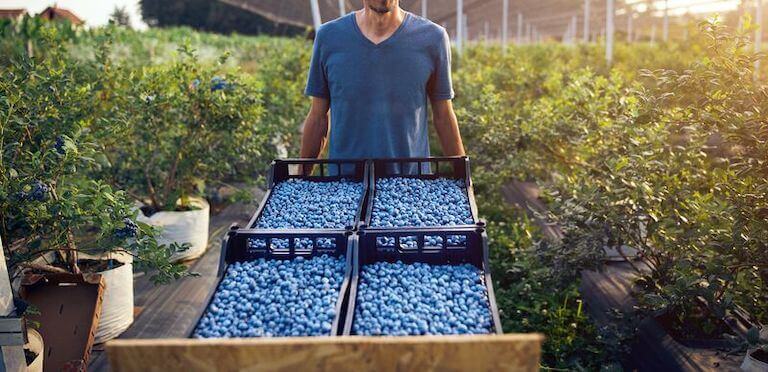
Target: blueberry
(59, 145)
(282, 298)
(219, 83)
(302, 204)
(417, 299)
(39, 191)
(129, 230)
(400, 202)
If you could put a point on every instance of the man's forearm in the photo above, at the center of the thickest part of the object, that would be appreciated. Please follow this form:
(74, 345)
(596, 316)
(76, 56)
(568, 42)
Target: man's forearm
(447, 128)
(313, 137)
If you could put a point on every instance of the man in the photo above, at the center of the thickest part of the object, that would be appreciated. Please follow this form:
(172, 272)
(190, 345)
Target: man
(375, 69)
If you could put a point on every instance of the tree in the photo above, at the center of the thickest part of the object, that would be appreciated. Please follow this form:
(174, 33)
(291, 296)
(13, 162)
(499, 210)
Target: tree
(120, 17)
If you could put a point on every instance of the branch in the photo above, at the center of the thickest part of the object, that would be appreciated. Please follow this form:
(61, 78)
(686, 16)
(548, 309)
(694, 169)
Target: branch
(44, 267)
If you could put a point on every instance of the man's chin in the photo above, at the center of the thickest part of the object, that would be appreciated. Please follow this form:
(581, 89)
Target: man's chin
(380, 9)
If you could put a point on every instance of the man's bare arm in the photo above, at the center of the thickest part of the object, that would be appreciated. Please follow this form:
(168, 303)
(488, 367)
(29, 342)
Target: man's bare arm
(447, 127)
(315, 133)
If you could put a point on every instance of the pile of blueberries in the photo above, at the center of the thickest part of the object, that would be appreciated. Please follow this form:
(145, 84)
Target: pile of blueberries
(38, 192)
(402, 201)
(129, 230)
(275, 298)
(302, 204)
(400, 299)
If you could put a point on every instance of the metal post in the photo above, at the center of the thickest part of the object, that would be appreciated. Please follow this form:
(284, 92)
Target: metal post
(504, 24)
(586, 21)
(486, 31)
(575, 27)
(459, 24)
(519, 28)
(465, 27)
(758, 33)
(424, 8)
(316, 14)
(609, 14)
(630, 15)
(653, 34)
(528, 33)
(342, 11)
(665, 29)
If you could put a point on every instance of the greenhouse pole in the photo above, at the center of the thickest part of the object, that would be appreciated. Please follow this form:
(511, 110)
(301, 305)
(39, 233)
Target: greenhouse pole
(586, 21)
(486, 31)
(665, 27)
(653, 34)
(629, 24)
(459, 24)
(528, 31)
(519, 28)
(424, 8)
(465, 28)
(315, 14)
(575, 26)
(504, 24)
(342, 11)
(609, 14)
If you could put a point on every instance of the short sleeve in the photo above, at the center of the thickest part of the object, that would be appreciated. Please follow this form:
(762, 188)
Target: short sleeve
(440, 86)
(317, 82)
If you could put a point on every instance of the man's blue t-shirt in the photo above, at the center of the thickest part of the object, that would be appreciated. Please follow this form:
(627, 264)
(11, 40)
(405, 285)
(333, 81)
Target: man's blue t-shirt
(378, 92)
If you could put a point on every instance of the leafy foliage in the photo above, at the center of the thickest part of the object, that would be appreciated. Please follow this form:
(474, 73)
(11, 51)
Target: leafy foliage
(47, 203)
(187, 125)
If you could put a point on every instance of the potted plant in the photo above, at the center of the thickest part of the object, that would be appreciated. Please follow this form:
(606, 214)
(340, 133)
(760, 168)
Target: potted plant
(190, 126)
(53, 212)
(756, 359)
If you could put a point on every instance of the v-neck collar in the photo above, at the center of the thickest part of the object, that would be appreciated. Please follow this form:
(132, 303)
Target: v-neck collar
(353, 19)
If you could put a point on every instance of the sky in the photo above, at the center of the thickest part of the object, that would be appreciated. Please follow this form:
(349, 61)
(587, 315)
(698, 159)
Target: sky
(93, 12)
(96, 12)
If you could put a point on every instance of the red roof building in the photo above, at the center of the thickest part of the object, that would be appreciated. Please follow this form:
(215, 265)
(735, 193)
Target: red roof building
(53, 13)
(12, 13)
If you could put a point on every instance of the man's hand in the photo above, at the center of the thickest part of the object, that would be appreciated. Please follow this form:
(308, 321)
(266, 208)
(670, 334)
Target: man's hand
(315, 132)
(447, 128)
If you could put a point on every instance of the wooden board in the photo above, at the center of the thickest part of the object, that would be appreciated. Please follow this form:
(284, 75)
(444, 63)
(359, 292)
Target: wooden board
(512, 352)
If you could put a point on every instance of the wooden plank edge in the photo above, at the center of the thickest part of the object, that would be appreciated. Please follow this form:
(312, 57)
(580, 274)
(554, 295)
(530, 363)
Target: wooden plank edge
(340, 340)
(515, 352)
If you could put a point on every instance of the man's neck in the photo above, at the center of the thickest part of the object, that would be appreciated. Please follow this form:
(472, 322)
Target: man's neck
(380, 24)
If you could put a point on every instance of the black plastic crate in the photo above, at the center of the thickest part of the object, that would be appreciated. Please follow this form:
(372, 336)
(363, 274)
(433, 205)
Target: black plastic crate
(472, 249)
(324, 170)
(237, 247)
(451, 167)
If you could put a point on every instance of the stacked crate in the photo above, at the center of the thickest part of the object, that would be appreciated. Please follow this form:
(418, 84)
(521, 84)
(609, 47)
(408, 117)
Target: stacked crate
(454, 244)
(461, 246)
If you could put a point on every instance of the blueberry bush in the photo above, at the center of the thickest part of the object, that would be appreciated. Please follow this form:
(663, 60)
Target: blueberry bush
(48, 202)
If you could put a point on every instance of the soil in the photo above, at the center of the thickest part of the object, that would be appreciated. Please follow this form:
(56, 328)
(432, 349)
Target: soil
(760, 355)
(148, 210)
(701, 326)
(95, 266)
(30, 356)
